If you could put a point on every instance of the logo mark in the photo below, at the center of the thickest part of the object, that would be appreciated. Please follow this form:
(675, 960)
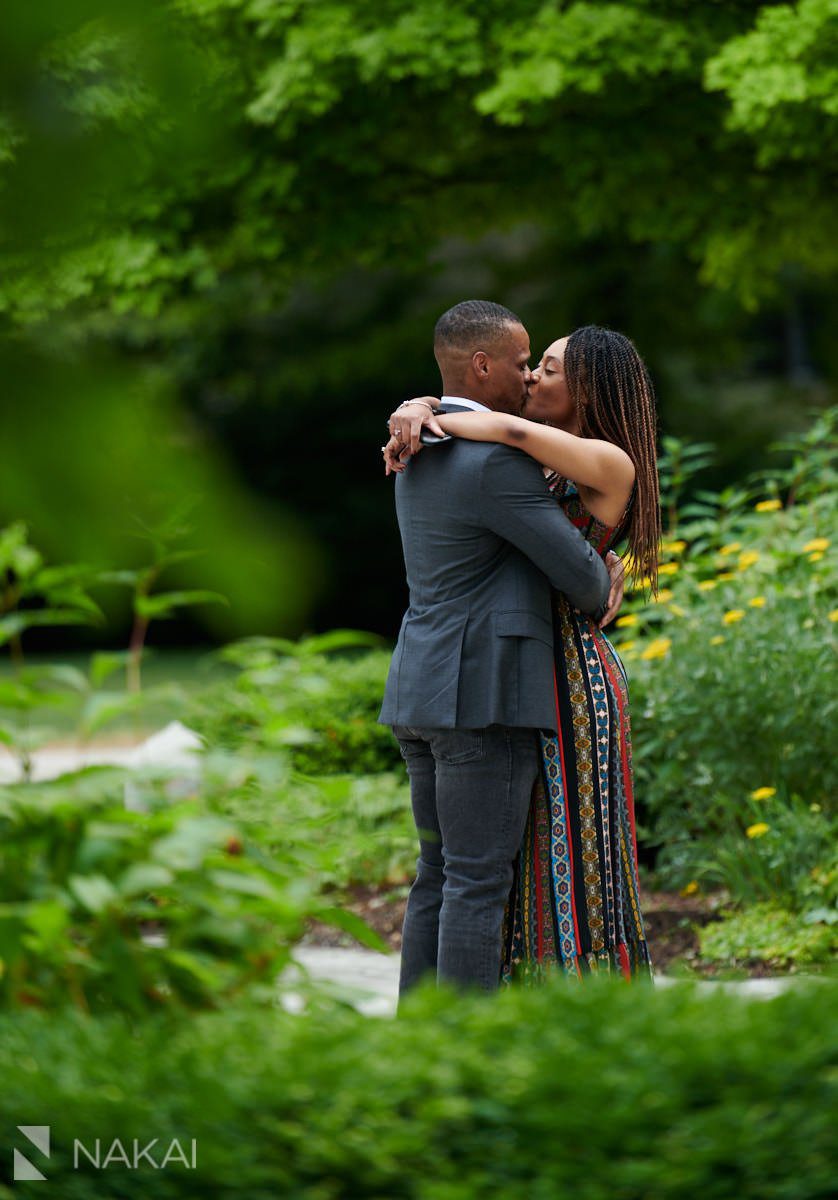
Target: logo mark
(38, 1135)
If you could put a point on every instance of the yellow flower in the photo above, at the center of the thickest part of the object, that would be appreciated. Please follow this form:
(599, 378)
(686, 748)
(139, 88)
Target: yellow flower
(657, 648)
(641, 584)
(733, 615)
(716, 640)
(628, 619)
(724, 576)
(676, 547)
(731, 548)
(626, 647)
(763, 793)
(747, 559)
(768, 505)
(677, 610)
(816, 557)
(833, 616)
(690, 889)
(663, 596)
(757, 830)
(668, 569)
(757, 602)
(707, 585)
(816, 544)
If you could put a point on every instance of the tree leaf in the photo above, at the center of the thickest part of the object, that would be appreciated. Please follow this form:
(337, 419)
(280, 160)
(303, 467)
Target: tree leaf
(349, 922)
(120, 578)
(104, 663)
(339, 639)
(144, 877)
(103, 707)
(93, 892)
(13, 624)
(162, 604)
(247, 884)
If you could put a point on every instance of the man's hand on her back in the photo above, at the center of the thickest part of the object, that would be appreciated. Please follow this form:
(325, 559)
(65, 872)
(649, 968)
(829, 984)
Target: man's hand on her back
(617, 571)
(406, 425)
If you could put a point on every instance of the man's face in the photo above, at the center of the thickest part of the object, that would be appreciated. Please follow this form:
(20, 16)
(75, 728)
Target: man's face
(509, 372)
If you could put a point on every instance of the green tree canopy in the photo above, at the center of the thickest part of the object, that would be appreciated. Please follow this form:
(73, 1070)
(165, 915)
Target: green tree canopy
(150, 150)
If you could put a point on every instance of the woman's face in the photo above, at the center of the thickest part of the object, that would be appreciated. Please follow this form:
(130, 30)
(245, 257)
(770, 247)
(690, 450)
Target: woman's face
(548, 398)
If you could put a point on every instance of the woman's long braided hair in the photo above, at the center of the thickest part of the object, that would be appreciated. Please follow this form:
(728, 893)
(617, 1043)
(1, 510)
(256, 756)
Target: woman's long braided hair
(615, 401)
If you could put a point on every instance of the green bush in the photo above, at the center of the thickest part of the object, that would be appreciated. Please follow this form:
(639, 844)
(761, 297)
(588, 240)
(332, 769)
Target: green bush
(340, 829)
(594, 1092)
(83, 882)
(731, 680)
(318, 699)
(769, 935)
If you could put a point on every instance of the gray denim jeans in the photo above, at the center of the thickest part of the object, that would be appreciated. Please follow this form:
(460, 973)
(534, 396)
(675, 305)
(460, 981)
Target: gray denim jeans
(470, 790)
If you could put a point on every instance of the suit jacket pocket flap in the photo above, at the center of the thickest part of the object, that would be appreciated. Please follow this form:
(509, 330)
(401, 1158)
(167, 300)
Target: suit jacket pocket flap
(520, 623)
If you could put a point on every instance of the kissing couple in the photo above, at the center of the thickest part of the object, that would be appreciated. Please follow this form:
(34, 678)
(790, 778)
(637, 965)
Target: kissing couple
(509, 703)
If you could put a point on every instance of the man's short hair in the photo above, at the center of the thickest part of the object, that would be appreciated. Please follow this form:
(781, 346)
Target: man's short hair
(473, 324)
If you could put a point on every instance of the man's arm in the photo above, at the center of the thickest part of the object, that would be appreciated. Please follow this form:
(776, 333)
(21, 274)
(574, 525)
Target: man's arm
(516, 505)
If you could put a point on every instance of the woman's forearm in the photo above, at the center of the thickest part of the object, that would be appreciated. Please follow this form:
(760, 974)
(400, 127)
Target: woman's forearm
(598, 465)
(479, 426)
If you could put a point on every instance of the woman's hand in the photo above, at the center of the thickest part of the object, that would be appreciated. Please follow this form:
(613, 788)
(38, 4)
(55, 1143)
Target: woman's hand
(617, 571)
(406, 425)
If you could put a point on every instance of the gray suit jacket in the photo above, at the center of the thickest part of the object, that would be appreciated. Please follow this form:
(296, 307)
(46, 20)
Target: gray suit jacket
(483, 541)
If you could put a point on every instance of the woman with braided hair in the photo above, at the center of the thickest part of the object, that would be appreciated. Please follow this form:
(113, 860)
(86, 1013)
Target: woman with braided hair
(590, 420)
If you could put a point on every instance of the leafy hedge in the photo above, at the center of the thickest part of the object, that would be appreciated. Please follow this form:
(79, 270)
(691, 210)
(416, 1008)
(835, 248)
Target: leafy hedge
(318, 699)
(599, 1092)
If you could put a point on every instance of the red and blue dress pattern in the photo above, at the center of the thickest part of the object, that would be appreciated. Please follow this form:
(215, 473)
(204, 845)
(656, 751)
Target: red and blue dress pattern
(574, 904)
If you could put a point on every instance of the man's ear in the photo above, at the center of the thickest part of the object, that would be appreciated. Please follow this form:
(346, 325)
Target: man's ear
(480, 363)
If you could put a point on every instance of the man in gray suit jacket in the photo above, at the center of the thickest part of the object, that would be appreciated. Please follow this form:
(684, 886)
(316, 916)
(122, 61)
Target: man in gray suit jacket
(471, 679)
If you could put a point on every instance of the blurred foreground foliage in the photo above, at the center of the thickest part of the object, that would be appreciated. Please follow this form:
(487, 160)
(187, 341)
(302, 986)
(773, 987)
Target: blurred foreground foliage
(169, 903)
(688, 1094)
(83, 879)
(104, 456)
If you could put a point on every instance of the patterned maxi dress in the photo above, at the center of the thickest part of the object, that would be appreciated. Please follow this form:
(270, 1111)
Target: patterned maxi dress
(574, 904)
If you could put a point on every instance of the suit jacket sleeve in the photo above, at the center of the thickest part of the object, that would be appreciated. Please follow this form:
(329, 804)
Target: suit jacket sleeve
(516, 504)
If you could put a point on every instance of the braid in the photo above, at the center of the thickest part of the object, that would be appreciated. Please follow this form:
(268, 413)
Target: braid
(615, 401)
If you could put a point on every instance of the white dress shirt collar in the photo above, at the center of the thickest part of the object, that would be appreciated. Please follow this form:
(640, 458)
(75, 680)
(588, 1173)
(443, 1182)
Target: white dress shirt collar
(461, 400)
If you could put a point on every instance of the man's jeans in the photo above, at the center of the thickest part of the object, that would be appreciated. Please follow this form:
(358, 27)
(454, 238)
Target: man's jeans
(470, 790)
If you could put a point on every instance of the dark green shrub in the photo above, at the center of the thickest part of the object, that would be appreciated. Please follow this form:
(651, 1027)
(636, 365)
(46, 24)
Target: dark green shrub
(595, 1092)
(320, 707)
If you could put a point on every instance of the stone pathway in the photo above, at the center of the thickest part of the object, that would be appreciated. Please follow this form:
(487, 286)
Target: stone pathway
(173, 746)
(368, 980)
